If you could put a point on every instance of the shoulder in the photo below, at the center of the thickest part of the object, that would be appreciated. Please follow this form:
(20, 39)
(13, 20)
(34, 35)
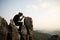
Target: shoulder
(16, 16)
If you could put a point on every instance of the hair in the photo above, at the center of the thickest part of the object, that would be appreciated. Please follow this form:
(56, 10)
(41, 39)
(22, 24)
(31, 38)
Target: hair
(20, 13)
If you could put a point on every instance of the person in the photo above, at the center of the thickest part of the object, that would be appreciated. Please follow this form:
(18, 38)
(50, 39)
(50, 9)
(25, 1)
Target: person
(16, 20)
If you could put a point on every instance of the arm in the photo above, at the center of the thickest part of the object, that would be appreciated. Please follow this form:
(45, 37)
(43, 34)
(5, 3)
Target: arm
(21, 18)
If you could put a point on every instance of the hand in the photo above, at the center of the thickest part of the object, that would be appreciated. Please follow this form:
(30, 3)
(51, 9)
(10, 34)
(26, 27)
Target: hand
(23, 16)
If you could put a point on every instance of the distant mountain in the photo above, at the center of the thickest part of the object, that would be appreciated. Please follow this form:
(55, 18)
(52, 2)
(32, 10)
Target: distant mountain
(51, 32)
(55, 33)
(41, 36)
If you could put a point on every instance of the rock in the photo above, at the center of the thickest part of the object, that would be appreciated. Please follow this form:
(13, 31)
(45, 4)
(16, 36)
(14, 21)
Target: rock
(27, 29)
(14, 34)
(54, 37)
(3, 29)
(10, 32)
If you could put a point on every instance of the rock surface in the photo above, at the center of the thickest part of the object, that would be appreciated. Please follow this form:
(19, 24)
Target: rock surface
(54, 37)
(27, 29)
(3, 29)
(10, 32)
(13, 31)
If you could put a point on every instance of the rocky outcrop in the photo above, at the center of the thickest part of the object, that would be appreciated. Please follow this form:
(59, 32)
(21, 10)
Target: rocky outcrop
(13, 31)
(54, 37)
(27, 29)
(10, 32)
(3, 29)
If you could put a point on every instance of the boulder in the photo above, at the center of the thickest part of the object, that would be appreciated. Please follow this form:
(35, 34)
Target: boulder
(13, 31)
(3, 29)
(54, 37)
(10, 32)
(27, 29)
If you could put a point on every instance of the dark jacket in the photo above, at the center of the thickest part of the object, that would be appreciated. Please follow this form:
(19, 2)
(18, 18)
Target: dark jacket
(16, 18)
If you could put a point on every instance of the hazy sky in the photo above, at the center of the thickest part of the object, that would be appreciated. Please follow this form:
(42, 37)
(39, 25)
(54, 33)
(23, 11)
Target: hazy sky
(45, 13)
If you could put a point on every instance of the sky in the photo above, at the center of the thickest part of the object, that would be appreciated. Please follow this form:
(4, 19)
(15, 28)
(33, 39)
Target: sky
(45, 13)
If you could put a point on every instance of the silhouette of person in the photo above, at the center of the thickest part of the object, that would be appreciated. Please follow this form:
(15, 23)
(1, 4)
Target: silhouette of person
(16, 20)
